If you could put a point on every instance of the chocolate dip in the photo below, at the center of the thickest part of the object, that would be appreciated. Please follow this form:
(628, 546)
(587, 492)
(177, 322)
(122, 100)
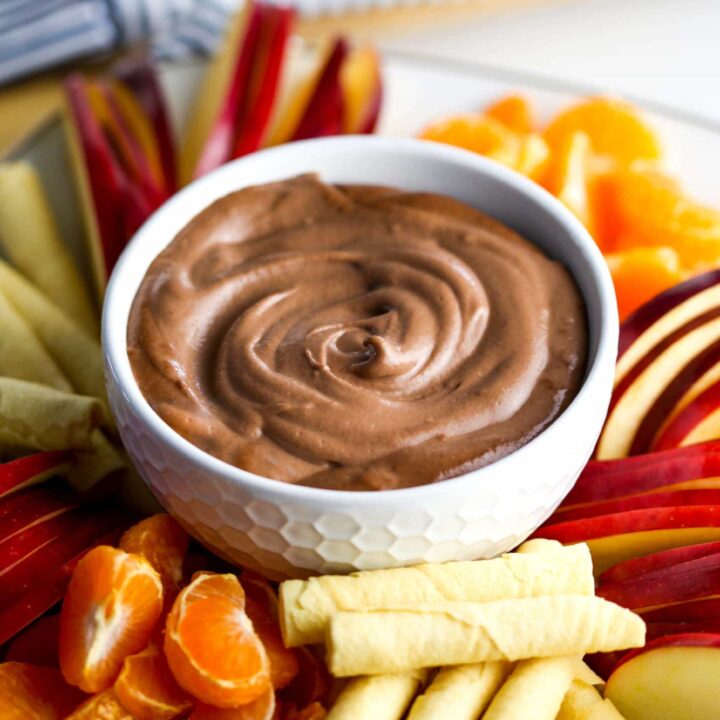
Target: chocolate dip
(359, 338)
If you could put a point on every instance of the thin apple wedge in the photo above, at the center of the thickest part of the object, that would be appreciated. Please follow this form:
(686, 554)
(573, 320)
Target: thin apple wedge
(692, 580)
(634, 533)
(32, 470)
(325, 111)
(50, 590)
(658, 561)
(657, 630)
(29, 507)
(362, 88)
(612, 479)
(673, 678)
(138, 90)
(697, 421)
(696, 611)
(670, 499)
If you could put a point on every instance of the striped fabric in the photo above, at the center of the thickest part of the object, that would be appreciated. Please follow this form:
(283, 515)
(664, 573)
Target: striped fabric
(37, 34)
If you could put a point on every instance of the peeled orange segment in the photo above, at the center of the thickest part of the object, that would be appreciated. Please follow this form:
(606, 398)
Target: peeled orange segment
(112, 605)
(487, 136)
(163, 543)
(211, 646)
(263, 708)
(30, 692)
(147, 688)
(615, 128)
(652, 209)
(514, 112)
(103, 706)
(641, 273)
(284, 665)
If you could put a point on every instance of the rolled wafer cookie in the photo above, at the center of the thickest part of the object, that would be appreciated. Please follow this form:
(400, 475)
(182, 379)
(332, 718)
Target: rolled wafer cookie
(547, 568)
(76, 353)
(31, 241)
(583, 702)
(391, 641)
(378, 697)
(22, 355)
(535, 689)
(38, 417)
(461, 692)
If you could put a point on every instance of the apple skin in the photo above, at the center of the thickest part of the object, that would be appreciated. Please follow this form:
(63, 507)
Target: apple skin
(636, 567)
(657, 630)
(639, 502)
(33, 469)
(691, 580)
(695, 611)
(673, 677)
(611, 479)
(692, 415)
(140, 77)
(324, 112)
(648, 314)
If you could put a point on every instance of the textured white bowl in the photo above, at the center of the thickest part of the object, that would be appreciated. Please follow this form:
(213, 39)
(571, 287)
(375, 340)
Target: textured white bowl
(289, 530)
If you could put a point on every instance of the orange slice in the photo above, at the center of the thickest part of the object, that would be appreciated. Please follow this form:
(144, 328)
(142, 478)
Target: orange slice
(614, 127)
(487, 136)
(514, 112)
(211, 646)
(147, 688)
(263, 708)
(112, 604)
(103, 706)
(30, 692)
(641, 273)
(163, 543)
(652, 209)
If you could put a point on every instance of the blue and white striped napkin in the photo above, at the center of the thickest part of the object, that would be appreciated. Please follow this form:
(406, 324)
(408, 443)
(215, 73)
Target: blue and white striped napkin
(37, 34)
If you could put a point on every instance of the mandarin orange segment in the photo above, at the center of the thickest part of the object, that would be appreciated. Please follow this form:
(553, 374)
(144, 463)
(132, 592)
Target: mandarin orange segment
(262, 708)
(651, 209)
(102, 706)
(641, 273)
(30, 692)
(474, 132)
(514, 112)
(163, 543)
(211, 646)
(284, 665)
(112, 605)
(148, 689)
(615, 128)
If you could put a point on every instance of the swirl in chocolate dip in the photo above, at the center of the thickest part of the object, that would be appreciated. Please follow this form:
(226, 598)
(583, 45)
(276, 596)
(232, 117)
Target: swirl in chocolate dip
(355, 337)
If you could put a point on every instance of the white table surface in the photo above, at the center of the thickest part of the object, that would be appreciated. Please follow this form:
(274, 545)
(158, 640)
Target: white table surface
(666, 51)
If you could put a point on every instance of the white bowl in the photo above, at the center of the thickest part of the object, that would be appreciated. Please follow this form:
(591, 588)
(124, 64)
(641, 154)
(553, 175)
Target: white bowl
(290, 530)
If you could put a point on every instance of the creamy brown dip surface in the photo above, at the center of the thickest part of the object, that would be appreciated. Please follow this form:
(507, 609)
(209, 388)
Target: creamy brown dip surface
(355, 337)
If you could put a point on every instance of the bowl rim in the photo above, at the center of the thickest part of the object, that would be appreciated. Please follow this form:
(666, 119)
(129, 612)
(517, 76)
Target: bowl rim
(119, 370)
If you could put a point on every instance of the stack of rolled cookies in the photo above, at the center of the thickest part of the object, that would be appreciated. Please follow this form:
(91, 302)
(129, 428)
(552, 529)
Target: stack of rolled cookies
(498, 639)
(52, 390)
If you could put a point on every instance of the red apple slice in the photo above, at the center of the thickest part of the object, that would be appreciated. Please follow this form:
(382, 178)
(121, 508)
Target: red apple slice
(656, 630)
(638, 502)
(138, 75)
(33, 469)
(361, 82)
(37, 644)
(691, 580)
(26, 508)
(664, 314)
(88, 524)
(673, 678)
(47, 593)
(615, 538)
(658, 561)
(325, 112)
(698, 421)
(642, 403)
(276, 24)
(611, 479)
(697, 611)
